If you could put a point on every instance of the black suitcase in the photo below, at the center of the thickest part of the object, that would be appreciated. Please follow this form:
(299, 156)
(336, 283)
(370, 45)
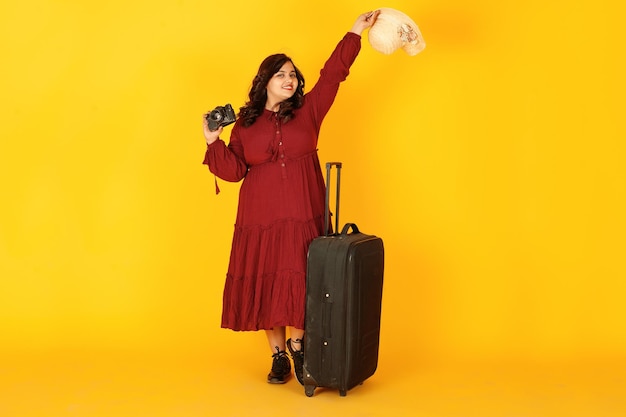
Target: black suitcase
(343, 304)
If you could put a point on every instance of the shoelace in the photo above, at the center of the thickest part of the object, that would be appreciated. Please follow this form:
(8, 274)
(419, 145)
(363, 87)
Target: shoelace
(294, 352)
(280, 360)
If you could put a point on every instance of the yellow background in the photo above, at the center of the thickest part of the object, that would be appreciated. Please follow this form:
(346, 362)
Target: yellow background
(491, 164)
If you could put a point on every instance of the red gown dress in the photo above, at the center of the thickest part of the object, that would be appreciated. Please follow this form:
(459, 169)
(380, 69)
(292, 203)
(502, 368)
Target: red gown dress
(281, 203)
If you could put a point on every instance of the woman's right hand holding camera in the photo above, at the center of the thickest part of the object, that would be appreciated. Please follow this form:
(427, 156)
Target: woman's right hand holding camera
(210, 136)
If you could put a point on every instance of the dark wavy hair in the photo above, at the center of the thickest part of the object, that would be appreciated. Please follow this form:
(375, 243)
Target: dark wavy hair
(257, 97)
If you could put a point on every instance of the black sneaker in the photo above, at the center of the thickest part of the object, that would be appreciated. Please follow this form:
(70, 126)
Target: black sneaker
(298, 359)
(281, 368)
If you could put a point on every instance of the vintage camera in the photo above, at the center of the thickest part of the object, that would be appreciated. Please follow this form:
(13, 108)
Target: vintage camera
(220, 116)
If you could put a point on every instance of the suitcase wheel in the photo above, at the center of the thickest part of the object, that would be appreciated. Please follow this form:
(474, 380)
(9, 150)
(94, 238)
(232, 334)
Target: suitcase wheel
(309, 390)
(342, 392)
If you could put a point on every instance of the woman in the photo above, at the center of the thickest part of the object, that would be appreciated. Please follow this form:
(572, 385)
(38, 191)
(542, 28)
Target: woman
(273, 147)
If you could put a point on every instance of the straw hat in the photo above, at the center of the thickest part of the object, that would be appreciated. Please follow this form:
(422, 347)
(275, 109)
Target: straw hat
(394, 29)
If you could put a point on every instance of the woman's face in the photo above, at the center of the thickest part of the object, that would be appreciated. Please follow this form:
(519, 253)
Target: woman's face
(282, 85)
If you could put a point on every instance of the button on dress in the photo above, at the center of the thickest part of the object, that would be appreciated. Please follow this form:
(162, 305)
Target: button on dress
(281, 203)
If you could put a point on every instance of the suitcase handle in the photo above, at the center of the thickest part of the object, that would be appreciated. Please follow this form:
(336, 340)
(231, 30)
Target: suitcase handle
(329, 165)
(347, 227)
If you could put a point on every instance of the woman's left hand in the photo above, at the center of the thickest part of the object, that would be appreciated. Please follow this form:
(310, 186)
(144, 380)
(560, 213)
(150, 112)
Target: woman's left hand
(364, 21)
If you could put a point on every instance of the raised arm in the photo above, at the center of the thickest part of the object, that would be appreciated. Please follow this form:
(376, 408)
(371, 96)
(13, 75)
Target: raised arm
(337, 67)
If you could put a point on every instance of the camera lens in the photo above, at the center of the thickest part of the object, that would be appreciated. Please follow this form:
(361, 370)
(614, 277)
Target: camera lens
(216, 115)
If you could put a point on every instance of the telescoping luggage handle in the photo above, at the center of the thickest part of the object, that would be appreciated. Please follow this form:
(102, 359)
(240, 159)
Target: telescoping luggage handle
(329, 165)
(347, 226)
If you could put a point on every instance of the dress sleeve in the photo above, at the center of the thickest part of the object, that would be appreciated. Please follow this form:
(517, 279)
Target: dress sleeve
(335, 71)
(227, 162)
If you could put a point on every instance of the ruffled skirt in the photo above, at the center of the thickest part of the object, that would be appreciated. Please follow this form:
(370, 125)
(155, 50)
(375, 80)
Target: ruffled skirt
(281, 210)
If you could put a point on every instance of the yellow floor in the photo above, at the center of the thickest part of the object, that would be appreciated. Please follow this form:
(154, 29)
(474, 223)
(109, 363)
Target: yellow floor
(226, 382)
